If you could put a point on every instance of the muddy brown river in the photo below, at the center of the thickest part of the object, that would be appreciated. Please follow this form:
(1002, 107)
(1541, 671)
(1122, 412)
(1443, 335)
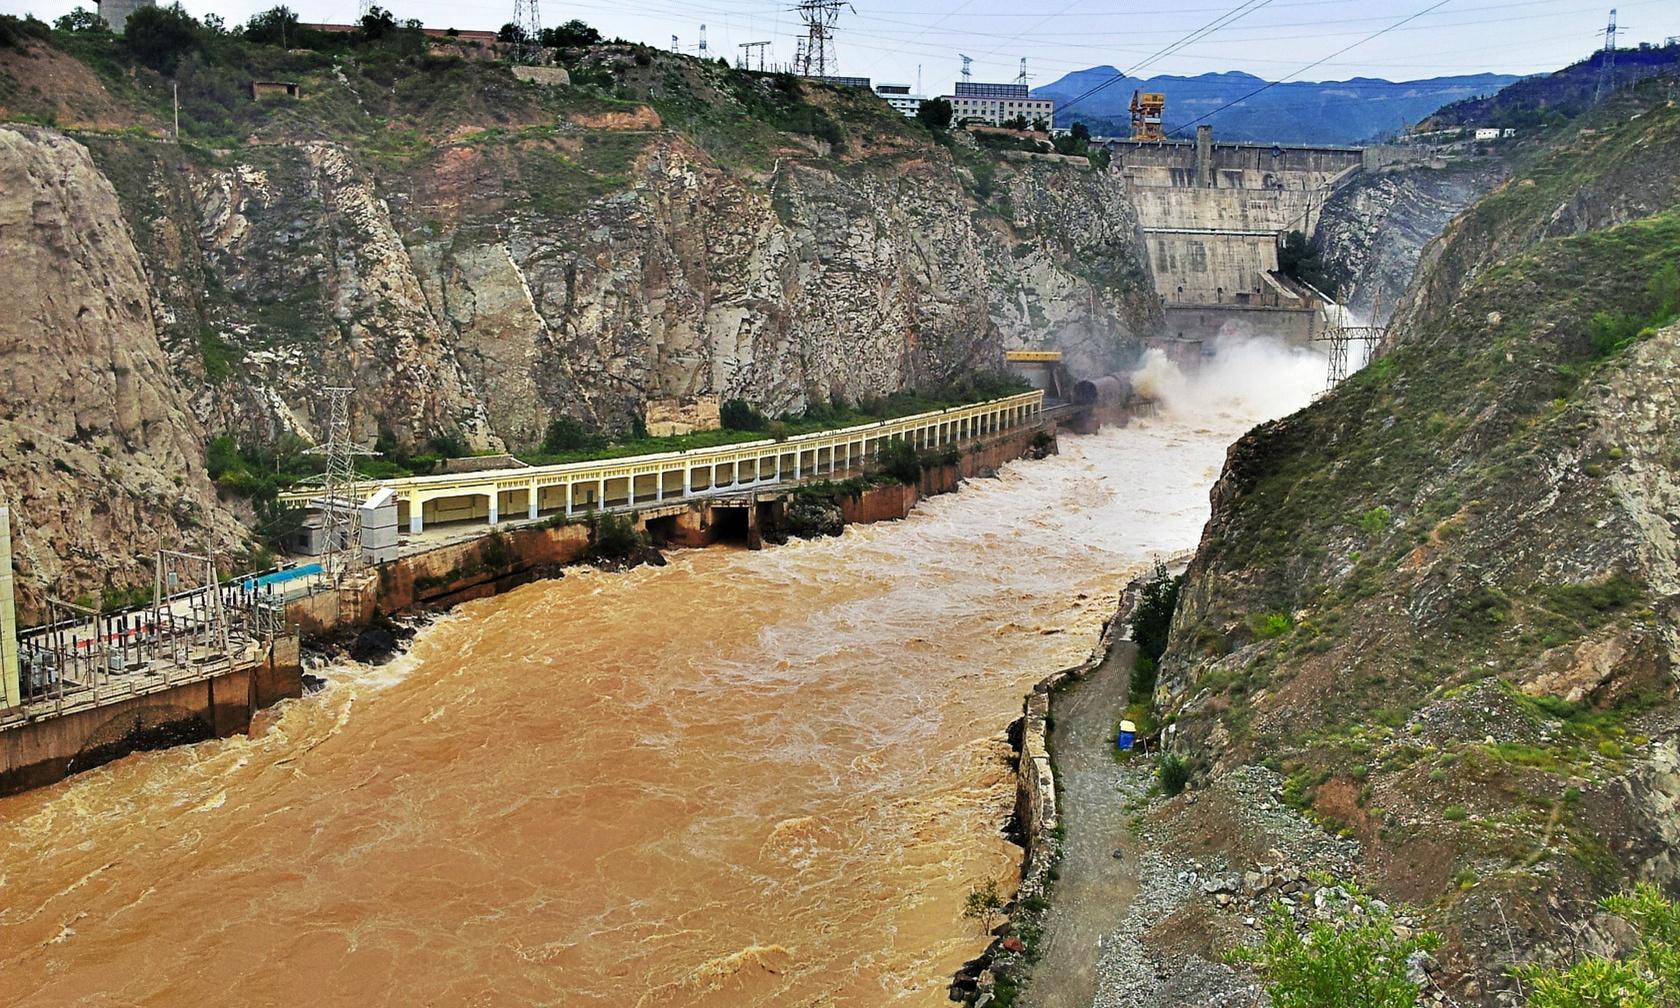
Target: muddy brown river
(744, 779)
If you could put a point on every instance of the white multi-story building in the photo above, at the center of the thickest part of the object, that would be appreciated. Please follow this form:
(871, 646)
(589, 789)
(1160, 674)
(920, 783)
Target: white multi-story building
(997, 104)
(900, 98)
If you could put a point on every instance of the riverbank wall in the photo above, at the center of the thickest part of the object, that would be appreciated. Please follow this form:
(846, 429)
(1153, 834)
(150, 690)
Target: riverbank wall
(508, 556)
(91, 730)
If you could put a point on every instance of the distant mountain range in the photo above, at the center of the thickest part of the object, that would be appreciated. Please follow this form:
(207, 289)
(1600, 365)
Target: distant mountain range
(1321, 112)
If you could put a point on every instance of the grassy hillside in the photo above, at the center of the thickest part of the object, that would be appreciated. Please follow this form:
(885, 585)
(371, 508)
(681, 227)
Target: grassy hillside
(401, 94)
(1442, 601)
(1548, 100)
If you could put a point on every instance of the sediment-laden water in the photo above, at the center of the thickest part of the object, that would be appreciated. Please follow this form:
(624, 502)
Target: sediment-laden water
(743, 779)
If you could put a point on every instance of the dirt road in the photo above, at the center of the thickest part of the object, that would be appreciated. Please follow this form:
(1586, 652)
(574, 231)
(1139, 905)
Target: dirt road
(1095, 887)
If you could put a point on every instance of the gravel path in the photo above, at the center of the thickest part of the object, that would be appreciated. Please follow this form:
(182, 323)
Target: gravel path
(1094, 888)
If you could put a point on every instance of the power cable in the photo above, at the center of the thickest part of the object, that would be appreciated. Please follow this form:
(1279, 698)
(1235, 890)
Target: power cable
(1271, 84)
(1217, 23)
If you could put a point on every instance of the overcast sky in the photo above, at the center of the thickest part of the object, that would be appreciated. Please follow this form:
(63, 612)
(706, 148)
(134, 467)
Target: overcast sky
(889, 41)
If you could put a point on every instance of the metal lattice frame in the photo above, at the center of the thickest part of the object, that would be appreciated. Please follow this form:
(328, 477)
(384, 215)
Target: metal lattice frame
(528, 19)
(341, 497)
(817, 57)
(1341, 337)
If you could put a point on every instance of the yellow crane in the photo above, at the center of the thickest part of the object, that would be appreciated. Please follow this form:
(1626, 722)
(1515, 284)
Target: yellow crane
(1146, 115)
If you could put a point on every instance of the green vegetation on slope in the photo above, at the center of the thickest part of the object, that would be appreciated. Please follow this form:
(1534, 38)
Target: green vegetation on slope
(1423, 599)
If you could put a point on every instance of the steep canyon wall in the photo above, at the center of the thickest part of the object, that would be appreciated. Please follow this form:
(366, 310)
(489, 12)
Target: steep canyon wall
(475, 285)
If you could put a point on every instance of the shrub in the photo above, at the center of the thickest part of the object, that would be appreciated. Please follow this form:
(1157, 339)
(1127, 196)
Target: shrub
(495, 551)
(1648, 976)
(1354, 960)
(566, 433)
(1173, 774)
(1375, 520)
(614, 537)
(738, 414)
(1271, 625)
(15, 32)
(897, 458)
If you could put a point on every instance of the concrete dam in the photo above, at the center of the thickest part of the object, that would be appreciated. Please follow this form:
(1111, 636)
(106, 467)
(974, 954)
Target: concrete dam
(1212, 217)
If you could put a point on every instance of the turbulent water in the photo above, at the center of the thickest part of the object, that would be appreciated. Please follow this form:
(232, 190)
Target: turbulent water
(743, 779)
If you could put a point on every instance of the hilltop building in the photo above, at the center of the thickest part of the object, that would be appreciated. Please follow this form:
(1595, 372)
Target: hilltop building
(900, 98)
(996, 104)
(116, 12)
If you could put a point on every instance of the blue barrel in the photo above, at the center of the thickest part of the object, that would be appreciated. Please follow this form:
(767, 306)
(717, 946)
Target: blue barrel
(1128, 735)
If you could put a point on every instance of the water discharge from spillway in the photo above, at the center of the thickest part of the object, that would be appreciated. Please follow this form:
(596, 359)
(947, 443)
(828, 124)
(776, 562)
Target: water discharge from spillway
(745, 779)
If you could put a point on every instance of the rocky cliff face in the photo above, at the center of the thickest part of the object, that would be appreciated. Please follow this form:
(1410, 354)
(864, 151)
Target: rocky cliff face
(1374, 230)
(539, 252)
(104, 457)
(455, 301)
(1439, 607)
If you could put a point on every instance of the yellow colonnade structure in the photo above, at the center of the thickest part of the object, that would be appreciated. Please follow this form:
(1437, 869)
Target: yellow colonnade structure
(532, 492)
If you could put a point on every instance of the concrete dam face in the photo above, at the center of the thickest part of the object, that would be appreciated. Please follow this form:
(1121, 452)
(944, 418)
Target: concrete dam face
(1212, 216)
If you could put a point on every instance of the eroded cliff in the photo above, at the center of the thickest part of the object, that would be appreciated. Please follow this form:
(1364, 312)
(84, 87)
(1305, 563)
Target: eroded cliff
(103, 452)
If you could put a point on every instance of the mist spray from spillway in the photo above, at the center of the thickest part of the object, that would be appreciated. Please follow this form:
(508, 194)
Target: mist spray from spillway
(1249, 378)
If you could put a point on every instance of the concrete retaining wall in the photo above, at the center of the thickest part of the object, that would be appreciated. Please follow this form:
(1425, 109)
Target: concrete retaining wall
(53, 747)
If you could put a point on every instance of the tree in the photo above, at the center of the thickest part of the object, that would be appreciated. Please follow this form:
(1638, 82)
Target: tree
(935, 113)
(277, 26)
(1649, 977)
(1151, 622)
(565, 434)
(1017, 123)
(1297, 260)
(1353, 960)
(983, 904)
(574, 34)
(82, 20)
(377, 23)
(511, 33)
(1080, 132)
(160, 37)
(738, 414)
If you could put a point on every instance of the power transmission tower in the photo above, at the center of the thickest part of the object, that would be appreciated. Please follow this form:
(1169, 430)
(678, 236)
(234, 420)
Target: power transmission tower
(702, 50)
(967, 67)
(1021, 78)
(527, 23)
(674, 46)
(1341, 337)
(341, 499)
(817, 58)
(1607, 66)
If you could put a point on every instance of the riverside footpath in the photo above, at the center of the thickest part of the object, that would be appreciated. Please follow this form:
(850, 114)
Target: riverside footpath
(1097, 876)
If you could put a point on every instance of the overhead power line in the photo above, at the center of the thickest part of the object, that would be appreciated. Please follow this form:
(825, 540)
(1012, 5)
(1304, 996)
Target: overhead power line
(1217, 23)
(1272, 84)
